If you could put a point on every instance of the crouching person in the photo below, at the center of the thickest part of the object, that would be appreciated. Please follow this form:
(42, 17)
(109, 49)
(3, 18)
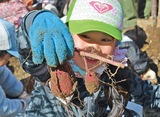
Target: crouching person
(9, 85)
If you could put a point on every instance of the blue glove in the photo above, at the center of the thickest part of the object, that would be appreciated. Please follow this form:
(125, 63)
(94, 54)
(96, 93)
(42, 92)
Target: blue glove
(50, 40)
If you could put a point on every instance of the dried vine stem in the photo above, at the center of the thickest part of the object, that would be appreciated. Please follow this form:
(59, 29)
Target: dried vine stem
(105, 60)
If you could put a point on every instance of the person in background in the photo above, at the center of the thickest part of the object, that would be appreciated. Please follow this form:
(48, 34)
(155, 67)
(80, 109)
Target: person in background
(13, 11)
(144, 8)
(133, 40)
(59, 7)
(9, 85)
(33, 4)
(133, 10)
(77, 65)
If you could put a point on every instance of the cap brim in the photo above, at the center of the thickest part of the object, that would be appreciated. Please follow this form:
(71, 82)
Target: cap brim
(81, 26)
(14, 53)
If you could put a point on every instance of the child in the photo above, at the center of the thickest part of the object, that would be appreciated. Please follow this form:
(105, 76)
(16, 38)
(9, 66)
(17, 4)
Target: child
(87, 77)
(133, 40)
(9, 85)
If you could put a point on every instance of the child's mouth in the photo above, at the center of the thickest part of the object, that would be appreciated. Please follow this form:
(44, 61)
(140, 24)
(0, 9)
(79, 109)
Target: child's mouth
(91, 63)
(95, 59)
(91, 60)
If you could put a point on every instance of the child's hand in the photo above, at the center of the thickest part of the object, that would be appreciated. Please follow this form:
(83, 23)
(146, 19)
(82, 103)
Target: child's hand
(25, 99)
(50, 39)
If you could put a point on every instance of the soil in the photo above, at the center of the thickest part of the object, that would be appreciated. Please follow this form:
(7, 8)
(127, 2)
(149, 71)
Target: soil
(152, 49)
(16, 68)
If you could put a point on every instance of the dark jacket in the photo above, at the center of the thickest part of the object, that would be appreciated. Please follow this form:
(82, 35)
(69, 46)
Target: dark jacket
(44, 103)
(138, 59)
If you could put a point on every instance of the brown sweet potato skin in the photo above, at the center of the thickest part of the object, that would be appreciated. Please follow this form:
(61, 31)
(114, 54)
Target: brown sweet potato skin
(92, 82)
(63, 81)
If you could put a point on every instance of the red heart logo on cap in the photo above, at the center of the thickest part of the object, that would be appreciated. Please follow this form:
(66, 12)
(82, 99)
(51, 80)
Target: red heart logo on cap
(101, 7)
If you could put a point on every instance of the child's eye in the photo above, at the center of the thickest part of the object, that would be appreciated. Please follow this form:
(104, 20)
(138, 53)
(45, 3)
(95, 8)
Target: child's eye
(106, 40)
(85, 36)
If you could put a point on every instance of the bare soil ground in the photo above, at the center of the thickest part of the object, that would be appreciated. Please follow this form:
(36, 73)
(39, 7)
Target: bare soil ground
(152, 49)
(16, 68)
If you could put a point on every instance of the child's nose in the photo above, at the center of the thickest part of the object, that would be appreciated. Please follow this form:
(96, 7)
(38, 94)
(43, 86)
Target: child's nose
(96, 47)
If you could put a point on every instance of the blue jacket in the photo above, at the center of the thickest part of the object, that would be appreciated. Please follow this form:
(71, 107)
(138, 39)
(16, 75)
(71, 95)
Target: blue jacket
(12, 87)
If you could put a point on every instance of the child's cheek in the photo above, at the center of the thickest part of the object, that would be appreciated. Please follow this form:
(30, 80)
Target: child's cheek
(108, 50)
(79, 43)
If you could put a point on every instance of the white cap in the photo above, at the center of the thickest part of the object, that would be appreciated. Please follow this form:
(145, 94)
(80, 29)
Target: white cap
(8, 37)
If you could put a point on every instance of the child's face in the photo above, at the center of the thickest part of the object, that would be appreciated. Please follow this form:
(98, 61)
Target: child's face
(93, 42)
